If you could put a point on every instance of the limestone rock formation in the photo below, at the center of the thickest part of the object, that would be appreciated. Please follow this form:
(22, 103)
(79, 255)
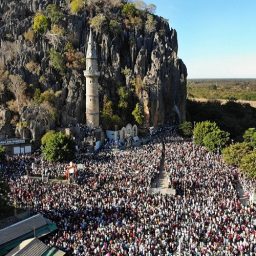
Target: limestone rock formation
(144, 61)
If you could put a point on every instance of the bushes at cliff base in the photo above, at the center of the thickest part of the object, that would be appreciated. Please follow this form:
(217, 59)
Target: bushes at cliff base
(234, 153)
(56, 146)
(248, 164)
(202, 129)
(186, 129)
(250, 136)
(216, 140)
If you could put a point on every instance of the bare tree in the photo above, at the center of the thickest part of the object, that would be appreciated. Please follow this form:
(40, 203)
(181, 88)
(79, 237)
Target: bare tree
(18, 87)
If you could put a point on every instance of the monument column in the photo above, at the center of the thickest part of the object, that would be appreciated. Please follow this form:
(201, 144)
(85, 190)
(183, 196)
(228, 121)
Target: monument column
(92, 86)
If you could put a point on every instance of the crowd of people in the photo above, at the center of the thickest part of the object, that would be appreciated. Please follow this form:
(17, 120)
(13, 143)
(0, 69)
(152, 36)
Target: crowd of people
(109, 209)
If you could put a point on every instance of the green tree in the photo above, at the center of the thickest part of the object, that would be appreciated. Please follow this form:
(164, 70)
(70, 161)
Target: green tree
(76, 6)
(129, 10)
(250, 136)
(186, 129)
(98, 22)
(138, 114)
(248, 164)
(48, 96)
(37, 96)
(40, 23)
(123, 97)
(235, 152)
(202, 129)
(216, 140)
(56, 146)
(107, 106)
(54, 13)
(57, 61)
(115, 27)
(150, 25)
(2, 153)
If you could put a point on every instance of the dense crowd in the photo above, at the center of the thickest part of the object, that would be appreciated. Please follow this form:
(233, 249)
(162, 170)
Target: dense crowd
(109, 210)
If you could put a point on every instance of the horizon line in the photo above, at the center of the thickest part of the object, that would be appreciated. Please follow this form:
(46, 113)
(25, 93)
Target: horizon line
(219, 78)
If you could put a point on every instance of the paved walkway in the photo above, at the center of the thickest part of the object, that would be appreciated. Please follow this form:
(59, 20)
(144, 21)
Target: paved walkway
(241, 194)
(161, 183)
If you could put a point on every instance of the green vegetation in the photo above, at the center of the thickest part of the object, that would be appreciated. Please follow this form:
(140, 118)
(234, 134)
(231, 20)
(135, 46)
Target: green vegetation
(234, 153)
(54, 13)
(186, 129)
(232, 117)
(123, 97)
(2, 153)
(216, 140)
(115, 27)
(222, 89)
(248, 164)
(250, 137)
(108, 119)
(138, 114)
(76, 6)
(129, 10)
(208, 134)
(40, 23)
(150, 25)
(56, 146)
(57, 61)
(202, 129)
(98, 22)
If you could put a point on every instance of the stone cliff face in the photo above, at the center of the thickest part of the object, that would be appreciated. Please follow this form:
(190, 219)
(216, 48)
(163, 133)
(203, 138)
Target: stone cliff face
(143, 61)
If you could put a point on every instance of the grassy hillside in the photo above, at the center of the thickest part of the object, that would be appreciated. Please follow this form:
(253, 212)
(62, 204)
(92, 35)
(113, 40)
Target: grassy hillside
(234, 89)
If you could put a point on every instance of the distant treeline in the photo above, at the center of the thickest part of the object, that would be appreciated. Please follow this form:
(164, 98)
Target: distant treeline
(233, 89)
(232, 116)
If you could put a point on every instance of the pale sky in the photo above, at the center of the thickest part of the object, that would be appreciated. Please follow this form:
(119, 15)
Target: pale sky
(217, 38)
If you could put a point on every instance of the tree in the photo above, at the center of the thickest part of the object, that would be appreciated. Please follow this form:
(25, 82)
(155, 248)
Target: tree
(57, 61)
(55, 36)
(115, 27)
(202, 129)
(56, 146)
(129, 10)
(40, 23)
(2, 153)
(98, 22)
(250, 136)
(54, 13)
(123, 98)
(18, 88)
(150, 25)
(107, 106)
(234, 153)
(248, 164)
(76, 6)
(216, 140)
(186, 129)
(138, 114)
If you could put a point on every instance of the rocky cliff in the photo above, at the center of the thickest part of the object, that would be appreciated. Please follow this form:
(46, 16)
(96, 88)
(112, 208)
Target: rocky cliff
(42, 60)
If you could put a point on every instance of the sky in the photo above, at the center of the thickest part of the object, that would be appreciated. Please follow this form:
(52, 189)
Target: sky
(217, 38)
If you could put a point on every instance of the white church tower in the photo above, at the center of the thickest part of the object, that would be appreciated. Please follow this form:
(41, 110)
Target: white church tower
(92, 86)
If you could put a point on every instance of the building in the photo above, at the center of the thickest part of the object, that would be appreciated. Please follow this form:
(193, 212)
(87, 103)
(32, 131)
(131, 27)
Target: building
(13, 235)
(16, 146)
(92, 86)
(35, 247)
